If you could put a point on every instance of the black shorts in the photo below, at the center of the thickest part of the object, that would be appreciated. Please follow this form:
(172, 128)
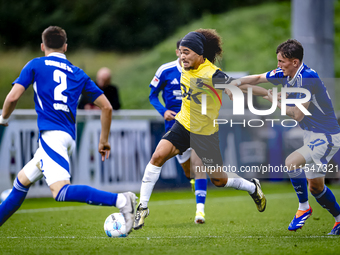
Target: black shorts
(207, 147)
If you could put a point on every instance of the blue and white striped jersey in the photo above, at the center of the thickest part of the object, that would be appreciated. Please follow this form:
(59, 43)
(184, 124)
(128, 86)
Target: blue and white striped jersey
(57, 86)
(323, 119)
(167, 79)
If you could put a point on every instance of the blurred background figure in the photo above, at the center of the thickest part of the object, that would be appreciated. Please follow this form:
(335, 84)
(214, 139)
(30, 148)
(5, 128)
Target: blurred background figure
(103, 81)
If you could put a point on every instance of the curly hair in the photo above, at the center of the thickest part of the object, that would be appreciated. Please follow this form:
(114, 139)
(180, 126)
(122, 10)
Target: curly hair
(213, 44)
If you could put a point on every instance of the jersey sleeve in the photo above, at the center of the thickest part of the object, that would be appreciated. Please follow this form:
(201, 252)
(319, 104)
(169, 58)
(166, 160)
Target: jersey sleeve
(26, 76)
(219, 77)
(156, 86)
(91, 90)
(276, 76)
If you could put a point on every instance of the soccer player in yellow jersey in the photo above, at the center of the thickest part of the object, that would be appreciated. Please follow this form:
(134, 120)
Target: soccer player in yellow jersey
(194, 126)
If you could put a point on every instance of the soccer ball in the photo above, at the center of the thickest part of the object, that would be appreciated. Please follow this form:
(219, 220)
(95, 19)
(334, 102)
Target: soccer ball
(4, 195)
(114, 225)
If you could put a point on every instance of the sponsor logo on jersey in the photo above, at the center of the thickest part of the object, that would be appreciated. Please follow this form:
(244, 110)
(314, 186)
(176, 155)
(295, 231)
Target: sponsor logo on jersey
(177, 94)
(207, 160)
(155, 81)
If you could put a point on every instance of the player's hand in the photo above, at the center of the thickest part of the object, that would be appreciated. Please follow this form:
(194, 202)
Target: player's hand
(169, 115)
(228, 92)
(5, 125)
(269, 96)
(104, 149)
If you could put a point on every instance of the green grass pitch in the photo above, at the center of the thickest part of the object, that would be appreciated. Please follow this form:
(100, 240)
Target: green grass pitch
(233, 226)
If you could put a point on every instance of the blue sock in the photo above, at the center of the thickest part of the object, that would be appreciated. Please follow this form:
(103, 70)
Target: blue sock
(13, 201)
(299, 182)
(327, 200)
(200, 190)
(86, 194)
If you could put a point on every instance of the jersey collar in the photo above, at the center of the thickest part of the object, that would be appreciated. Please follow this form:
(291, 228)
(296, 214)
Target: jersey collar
(57, 54)
(292, 81)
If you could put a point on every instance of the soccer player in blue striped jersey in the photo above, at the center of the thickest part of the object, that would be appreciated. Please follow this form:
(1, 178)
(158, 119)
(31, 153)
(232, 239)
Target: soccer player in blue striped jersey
(167, 80)
(57, 86)
(321, 131)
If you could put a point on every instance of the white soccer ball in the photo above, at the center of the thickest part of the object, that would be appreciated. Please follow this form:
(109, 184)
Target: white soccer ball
(115, 226)
(4, 195)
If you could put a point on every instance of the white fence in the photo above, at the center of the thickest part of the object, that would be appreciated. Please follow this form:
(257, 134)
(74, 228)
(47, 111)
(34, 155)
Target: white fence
(130, 150)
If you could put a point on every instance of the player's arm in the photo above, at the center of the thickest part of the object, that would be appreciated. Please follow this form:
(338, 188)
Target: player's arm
(292, 111)
(257, 91)
(105, 118)
(250, 80)
(10, 103)
(154, 100)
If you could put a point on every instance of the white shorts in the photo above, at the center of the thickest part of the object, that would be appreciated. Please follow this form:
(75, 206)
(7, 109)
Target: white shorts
(184, 157)
(318, 149)
(51, 159)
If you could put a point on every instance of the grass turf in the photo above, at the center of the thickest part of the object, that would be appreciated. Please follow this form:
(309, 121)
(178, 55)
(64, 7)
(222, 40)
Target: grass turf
(233, 226)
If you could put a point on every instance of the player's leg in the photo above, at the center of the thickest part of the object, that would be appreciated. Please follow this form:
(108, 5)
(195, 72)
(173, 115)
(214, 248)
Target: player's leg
(295, 163)
(207, 148)
(201, 184)
(232, 180)
(175, 141)
(164, 151)
(28, 175)
(189, 160)
(55, 149)
(325, 197)
(324, 149)
(63, 191)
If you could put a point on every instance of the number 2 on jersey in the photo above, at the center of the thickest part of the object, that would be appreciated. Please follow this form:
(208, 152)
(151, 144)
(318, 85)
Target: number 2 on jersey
(60, 77)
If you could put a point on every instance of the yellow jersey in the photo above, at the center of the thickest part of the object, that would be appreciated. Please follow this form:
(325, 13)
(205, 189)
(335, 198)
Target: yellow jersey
(197, 85)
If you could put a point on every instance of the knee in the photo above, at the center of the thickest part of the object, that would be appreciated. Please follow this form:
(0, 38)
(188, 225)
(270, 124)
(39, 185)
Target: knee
(23, 179)
(157, 159)
(290, 164)
(315, 189)
(220, 182)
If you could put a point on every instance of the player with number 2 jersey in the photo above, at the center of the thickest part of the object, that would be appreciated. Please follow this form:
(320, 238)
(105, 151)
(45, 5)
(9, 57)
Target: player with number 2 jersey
(57, 86)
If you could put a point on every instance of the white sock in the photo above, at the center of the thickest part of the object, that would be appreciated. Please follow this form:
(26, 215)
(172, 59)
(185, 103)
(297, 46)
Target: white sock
(121, 201)
(304, 206)
(200, 207)
(239, 183)
(150, 178)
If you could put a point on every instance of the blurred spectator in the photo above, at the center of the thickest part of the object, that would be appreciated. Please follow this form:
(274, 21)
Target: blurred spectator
(103, 81)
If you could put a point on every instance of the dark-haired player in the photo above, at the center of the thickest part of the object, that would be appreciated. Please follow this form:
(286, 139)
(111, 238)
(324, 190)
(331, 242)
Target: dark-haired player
(57, 86)
(167, 80)
(198, 52)
(321, 131)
